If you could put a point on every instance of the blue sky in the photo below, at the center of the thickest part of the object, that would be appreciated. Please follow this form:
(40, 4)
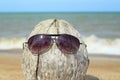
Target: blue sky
(59, 5)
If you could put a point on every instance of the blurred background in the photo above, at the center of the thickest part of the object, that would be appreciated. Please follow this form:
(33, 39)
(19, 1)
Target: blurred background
(98, 21)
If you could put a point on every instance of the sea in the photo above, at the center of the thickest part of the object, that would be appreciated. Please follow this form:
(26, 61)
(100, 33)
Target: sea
(100, 31)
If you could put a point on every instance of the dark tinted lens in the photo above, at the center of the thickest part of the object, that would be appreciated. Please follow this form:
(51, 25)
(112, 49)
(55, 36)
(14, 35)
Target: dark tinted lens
(68, 44)
(39, 43)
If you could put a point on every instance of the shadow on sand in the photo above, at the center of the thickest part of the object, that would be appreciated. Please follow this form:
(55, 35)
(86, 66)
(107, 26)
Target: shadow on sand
(90, 77)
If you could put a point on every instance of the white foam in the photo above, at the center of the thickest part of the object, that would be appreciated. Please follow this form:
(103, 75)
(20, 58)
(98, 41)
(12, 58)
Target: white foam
(11, 43)
(102, 46)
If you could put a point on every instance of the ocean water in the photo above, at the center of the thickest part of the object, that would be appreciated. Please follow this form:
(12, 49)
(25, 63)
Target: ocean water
(100, 31)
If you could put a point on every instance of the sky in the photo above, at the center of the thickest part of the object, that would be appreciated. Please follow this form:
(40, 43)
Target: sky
(59, 5)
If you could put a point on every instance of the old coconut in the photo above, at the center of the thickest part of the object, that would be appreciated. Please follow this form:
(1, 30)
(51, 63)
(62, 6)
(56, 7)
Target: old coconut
(54, 63)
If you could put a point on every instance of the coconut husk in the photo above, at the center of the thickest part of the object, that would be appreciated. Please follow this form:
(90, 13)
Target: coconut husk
(53, 64)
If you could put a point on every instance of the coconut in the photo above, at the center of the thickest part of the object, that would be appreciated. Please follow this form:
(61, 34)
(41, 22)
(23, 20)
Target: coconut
(54, 64)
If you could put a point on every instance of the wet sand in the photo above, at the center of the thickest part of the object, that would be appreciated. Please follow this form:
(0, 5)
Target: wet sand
(99, 68)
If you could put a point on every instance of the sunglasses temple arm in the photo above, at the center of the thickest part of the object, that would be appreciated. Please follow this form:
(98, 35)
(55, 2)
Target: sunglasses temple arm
(24, 44)
(83, 44)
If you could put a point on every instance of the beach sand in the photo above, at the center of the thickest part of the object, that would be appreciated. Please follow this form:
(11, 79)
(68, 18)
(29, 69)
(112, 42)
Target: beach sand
(99, 68)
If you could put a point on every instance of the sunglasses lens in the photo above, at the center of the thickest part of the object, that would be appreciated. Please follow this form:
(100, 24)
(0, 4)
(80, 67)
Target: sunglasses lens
(68, 44)
(39, 43)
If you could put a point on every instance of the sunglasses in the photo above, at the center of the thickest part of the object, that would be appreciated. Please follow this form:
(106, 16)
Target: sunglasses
(41, 43)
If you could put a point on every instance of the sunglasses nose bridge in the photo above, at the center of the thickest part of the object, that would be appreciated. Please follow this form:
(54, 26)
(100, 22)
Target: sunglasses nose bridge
(54, 38)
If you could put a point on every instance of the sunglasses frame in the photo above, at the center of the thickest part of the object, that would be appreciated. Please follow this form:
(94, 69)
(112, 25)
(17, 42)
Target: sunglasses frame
(53, 37)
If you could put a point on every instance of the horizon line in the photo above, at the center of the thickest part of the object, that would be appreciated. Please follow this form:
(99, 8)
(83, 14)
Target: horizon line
(64, 12)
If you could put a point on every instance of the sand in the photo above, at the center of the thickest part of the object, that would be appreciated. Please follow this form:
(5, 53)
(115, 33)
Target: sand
(99, 68)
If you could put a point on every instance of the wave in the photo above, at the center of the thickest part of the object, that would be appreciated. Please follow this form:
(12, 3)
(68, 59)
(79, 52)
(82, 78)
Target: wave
(102, 45)
(95, 44)
(11, 43)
